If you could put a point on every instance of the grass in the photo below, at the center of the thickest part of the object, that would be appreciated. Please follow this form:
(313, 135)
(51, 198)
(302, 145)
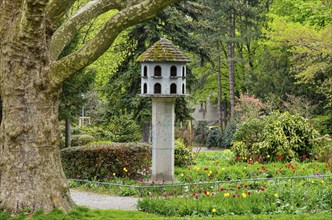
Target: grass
(214, 161)
(82, 213)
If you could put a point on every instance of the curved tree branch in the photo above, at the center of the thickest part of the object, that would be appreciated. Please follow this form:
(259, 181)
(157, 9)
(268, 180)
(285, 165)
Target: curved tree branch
(56, 9)
(66, 32)
(62, 69)
(70, 28)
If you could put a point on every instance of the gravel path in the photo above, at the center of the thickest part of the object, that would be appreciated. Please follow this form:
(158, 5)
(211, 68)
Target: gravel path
(98, 201)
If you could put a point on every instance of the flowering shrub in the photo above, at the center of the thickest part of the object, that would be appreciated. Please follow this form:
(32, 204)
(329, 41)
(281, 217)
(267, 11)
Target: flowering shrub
(183, 155)
(280, 136)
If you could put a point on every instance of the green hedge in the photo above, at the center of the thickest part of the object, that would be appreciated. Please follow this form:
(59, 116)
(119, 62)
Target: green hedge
(98, 162)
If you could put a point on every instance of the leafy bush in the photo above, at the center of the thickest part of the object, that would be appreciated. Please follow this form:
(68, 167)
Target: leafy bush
(324, 151)
(100, 133)
(213, 137)
(183, 155)
(278, 136)
(80, 140)
(201, 132)
(227, 134)
(99, 161)
(323, 123)
(185, 134)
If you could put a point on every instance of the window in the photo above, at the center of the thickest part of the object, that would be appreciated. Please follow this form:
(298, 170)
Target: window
(157, 88)
(183, 72)
(145, 88)
(173, 88)
(173, 71)
(157, 71)
(145, 71)
(183, 89)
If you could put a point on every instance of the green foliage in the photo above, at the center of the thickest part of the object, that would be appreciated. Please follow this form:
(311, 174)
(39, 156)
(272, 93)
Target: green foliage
(311, 55)
(201, 132)
(323, 123)
(82, 213)
(124, 128)
(183, 155)
(299, 105)
(227, 134)
(80, 140)
(278, 136)
(309, 12)
(182, 112)
(324, 152)
(269, 197)
(240, 200)
(212, 139)
(100, 133)
(99, 161)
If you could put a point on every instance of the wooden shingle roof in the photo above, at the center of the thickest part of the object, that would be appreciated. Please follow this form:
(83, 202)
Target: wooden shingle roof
(163, 51)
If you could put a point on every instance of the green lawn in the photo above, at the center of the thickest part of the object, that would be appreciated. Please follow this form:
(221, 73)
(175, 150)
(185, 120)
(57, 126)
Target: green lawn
(82, 213)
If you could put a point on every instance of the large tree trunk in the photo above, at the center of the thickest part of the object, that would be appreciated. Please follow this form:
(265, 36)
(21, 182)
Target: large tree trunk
(31, 175)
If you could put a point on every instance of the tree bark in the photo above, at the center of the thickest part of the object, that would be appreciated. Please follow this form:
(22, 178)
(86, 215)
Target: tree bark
(220, 94)
(0, 110)
(68, 133)
(31, 175)
(146, 132)
(231, 62)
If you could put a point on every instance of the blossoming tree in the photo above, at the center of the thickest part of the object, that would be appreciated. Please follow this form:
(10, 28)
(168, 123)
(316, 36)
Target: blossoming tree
(31, 76)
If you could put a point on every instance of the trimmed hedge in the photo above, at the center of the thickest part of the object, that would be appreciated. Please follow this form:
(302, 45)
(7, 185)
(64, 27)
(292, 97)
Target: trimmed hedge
(100, 161)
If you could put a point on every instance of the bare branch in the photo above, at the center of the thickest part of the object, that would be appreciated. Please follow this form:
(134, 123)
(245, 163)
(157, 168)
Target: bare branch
(62, 69)
(57, 8)
(83, 16)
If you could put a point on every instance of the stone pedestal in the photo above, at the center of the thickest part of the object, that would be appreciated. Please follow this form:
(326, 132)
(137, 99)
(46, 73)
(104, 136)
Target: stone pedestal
(163, 117)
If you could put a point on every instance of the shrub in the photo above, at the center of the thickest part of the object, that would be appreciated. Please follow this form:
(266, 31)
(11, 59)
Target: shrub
(99, 161)
(100, 133)
(185, 134)
(213, 137)
(280, 136)
(324, 151)
(80, 140)
(227, 134)
(183, 155)
(201, 132)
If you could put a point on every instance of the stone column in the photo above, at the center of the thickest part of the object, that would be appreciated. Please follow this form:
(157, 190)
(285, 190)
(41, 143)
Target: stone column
(163, 117)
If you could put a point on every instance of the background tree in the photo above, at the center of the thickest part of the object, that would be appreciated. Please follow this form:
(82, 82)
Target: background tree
(31, 75)
(176, 23)
(232, 29)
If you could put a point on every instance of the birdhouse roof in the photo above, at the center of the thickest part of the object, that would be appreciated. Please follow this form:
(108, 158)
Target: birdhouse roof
(163, 51)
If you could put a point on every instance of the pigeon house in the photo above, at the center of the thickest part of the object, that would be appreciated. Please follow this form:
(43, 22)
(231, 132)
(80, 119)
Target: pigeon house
(163, 70)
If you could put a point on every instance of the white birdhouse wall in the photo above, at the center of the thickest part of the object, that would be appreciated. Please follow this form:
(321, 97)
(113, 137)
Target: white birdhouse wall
(163, 79)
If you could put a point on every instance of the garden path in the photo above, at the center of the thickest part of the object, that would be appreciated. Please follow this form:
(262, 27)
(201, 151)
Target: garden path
(99, 201)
